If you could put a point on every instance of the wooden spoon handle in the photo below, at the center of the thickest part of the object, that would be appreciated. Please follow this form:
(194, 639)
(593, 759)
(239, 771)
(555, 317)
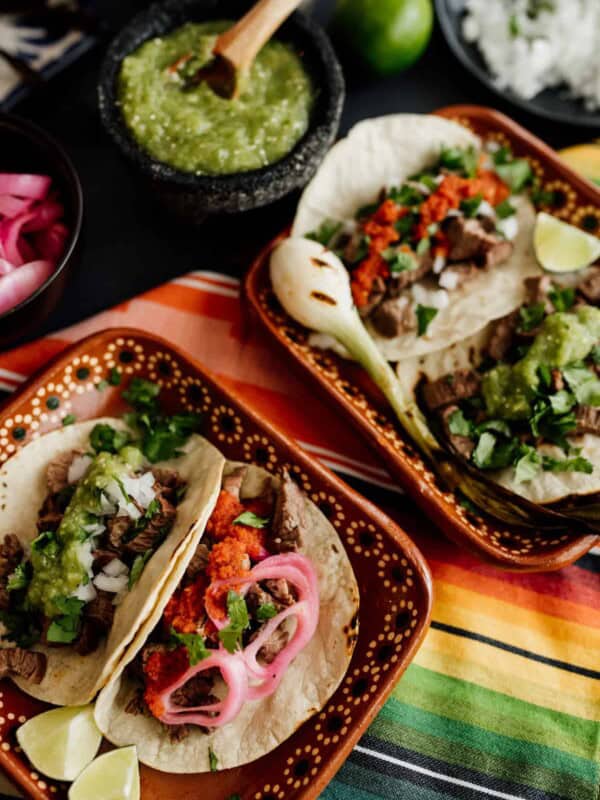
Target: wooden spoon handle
(241, 43)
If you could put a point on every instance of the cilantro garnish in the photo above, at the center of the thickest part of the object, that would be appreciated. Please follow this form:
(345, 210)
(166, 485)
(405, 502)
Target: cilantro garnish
(213, 760)
(114, 377)
(492, 452)
(20, 625)
(583, 383)
(265, 611)
(424, 246)
(405, 224)
(64, 628)
(102, 385)
(44, 541)
(362, 250)
(20, 577)
(367, 210)
(505, 209)
(470, 205)
(68, 419)
(516, 174)
(459, 425)
(595, 354)
(458, 159)
(406, 196)
(513, 26)
(545, 375)
(531, 316)
(106, 439)
(194, 644)
(562, 299)
(562, 401)
(162, 436)
(425, 315)
(399, 260)
(577, 464)
(251, 519)
(528, 465)
(237, 611)
(139, 562)
(326, 232)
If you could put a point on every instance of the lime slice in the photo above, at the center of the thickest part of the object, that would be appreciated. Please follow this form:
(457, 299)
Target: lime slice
(113, 776)
(561, 247)
(61, 742)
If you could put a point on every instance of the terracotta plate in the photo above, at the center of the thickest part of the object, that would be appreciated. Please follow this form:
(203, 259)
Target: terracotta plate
(394, 582)
(576, 200)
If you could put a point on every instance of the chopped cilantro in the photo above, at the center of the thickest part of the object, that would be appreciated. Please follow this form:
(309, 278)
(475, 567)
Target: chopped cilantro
(531, 316)
(405, 224)
(562, 299)
(462, 160)
(424, 246)
(265, 611)
(105, 438)
(139, 562)
(251, 519)
(562, 401)
(545, 375)
(64, 628)
(483, 452)
(496, 426)
(213, 760)
(583, 383)
(326, 232)
(194, 644)
(459, 425)
(595, 355)
(516, 174)
(231, 634)
(502, 155)
(406, 196)
(399, 260)
(362, 250)
(68, 419)
(470, 205)
(45, 540)
(505, 209)
(21, 626)
(20, 577)
(492, 452)
(425, 315)
(102, 385)
(577, 464)
(528, 465)
(114, 377)
(142, 395)
(367, 210)
(513, 26)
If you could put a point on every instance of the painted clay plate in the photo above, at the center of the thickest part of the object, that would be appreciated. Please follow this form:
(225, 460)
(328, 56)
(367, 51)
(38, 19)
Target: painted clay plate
(576, 201)
(394, 582)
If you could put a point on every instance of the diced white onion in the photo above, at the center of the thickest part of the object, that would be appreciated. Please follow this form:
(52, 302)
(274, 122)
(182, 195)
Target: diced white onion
(94, 528)
(85, 592)
(85, 555)
(449, 280)
(123, 507)
(486, 209)
(140, 489)
(107, 507)
(509, 226)
(78, 468)
(439, 262)
(428, 297)
(453, 212)
(115, 568)
(106, 583)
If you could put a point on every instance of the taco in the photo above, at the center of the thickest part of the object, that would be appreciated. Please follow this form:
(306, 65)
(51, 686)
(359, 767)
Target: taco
(94, 517)
(521, 400)
(251, 637)
(433, 227)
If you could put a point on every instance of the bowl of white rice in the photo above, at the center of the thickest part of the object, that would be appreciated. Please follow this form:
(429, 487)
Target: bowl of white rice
(543, 55)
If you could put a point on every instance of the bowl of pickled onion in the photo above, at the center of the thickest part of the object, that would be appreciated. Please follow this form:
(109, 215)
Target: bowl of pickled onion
(41, 210)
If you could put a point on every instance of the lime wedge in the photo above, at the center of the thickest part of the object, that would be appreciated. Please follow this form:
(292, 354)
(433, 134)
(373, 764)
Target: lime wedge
(61, 742)
(561, 247)
(112, 776)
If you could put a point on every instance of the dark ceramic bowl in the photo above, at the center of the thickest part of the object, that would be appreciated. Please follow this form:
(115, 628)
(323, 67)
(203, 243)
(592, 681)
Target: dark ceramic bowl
(26, 148)
(191, 197)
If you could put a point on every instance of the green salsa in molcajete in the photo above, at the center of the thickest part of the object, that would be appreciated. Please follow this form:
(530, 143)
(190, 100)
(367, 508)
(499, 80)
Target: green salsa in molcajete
(563, 338)
(60, 561)
(190, 127)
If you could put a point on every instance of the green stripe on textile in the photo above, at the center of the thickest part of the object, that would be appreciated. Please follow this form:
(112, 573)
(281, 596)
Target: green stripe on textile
(354, 782)
(510, 762)
(497, 712)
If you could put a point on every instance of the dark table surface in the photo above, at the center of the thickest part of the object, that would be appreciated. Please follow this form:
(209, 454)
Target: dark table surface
(128, 245)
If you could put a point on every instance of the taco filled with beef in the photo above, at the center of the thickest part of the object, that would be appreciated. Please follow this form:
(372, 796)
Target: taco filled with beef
(252, 640)
(94, 516)
(433, 226)
(521, 401)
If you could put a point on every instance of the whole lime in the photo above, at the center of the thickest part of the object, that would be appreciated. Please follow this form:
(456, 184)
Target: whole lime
(390, 35)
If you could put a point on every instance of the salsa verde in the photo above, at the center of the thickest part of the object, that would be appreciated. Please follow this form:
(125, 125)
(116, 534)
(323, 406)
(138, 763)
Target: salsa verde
(563, 338)
(191, 128)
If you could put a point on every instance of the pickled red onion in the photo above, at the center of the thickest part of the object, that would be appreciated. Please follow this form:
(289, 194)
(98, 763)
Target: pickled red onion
(31, 236)
(233, 672)
(22, 282)
(35, 187)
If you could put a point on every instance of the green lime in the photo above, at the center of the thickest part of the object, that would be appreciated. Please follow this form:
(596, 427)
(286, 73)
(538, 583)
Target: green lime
(390, 35)
(560, 247)
(112, 776)
(61, 742)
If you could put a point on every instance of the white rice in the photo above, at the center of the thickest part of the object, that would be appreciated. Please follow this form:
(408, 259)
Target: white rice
(531, 45)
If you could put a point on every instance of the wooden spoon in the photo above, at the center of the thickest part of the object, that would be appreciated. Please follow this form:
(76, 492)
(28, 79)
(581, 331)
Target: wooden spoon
(236, 48)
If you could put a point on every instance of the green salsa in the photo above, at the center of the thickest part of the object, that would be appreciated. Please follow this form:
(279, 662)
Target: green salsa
(59, 560)
(193, 129)
(509, 391)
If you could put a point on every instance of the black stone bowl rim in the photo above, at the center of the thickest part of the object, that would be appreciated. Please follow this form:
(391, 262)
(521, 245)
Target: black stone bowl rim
(129, 38)
(57, 154)
(548, 104)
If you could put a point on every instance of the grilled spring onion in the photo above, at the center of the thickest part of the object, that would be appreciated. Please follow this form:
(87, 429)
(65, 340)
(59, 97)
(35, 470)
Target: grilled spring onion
(313, 286)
